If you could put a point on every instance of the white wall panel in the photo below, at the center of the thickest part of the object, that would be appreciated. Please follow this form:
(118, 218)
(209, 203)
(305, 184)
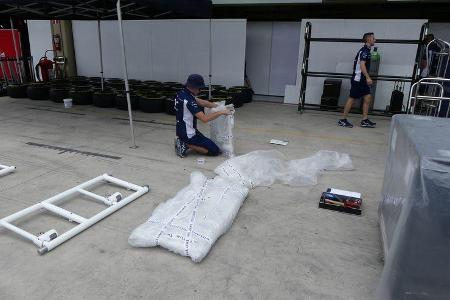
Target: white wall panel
(164, 50)
(112, 51)
(40, 35)
(195, 59)
(440, 31)
(272, 56)
(228, 52)
(338, 57)
(284, 57)
(258, 55)
(137, 47)
(86, 48)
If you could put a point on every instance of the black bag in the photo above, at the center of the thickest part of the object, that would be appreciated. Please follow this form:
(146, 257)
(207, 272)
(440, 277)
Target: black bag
(396, 104)
(330, 94)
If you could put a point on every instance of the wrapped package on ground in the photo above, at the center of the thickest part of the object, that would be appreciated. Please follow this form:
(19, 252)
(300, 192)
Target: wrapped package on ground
(191, 222)
(221, 129)
(263, 168)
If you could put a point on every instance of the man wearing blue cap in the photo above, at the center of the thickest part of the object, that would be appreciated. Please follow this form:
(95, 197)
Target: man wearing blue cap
(189, 108)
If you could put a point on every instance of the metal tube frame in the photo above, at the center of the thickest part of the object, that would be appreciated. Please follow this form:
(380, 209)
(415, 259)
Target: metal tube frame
(100, 53)
(6, 169)
(11, 72)
(4, 74)
(18, 65)
(45, 245)
(429, 81)
(125, 74)
(210, 60)
(305, 63)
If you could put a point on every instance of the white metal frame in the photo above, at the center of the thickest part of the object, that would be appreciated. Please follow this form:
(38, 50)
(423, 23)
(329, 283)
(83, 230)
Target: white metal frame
(436, 82)
(50, 240)
(6, 169)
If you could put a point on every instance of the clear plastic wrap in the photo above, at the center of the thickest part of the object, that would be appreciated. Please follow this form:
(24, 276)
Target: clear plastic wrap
(221, 130)
(415, 210)
(263, 168)
(191, 222)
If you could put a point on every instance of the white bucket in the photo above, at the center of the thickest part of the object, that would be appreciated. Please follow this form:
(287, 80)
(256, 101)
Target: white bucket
(67, 103)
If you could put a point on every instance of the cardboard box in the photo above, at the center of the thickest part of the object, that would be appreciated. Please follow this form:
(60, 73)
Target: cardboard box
(340, 200)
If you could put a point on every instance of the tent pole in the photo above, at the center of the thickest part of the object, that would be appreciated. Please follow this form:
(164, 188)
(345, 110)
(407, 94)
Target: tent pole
(100, 52)
(15, 50)
(125, 74)
(210, 58)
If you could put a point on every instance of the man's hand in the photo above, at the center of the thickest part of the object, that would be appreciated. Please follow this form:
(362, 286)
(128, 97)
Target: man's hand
(226, 112)
(369, 81)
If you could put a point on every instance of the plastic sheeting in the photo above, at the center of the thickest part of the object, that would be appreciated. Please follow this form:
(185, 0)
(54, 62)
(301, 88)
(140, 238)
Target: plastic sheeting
(191, 222)
(263, 168)
(221, 129)
(415, 210)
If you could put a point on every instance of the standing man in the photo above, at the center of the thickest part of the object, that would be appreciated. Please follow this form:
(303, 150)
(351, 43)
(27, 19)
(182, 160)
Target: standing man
(360, 83)
(189, 108)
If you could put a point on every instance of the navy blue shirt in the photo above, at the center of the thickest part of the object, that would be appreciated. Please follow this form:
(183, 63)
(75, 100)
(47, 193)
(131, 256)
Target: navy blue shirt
(186, 108)
(362, 55)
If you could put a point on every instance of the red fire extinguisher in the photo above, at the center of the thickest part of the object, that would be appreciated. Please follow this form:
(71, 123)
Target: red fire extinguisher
(45, 65)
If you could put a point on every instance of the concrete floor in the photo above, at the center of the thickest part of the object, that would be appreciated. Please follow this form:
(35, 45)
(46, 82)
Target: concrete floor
(281, 245)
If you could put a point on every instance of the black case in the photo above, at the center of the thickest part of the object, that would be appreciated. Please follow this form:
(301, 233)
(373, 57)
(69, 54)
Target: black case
(396, 104)
(331, 92)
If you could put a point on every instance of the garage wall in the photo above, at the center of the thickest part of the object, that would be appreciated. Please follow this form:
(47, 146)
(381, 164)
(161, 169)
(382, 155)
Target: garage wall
(40, 35)
(272, 56)
(440, 30)
(164, 50)
(338, 57)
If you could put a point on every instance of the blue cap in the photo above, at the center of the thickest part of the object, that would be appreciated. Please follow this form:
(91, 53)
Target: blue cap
(195, 81)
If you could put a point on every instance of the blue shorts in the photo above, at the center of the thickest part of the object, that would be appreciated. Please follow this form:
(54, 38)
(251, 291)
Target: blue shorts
(359, 89)
(202, 141)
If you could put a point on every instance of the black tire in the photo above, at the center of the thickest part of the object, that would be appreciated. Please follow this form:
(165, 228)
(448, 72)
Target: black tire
(17, 91)
(121, 102)
(152, 82)
(171, 93)
(58, 94)
(104, 99)
(134, 81)
(246, 94)
(169, 106)
(59, 83)
(38, 92)
(79, 80)
(139, 86)
(173, 85)
(237, 97)
(218, 87)
(151, 104)
(81, 97)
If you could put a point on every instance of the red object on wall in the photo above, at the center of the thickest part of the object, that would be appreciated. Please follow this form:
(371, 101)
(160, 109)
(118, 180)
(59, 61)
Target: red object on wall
(7, 50)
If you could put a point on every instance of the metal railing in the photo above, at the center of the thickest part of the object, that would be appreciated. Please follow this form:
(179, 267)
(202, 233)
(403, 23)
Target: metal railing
(432, 103)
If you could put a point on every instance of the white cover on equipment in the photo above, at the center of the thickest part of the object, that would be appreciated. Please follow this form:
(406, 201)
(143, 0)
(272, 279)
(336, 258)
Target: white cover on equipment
(221, 129)
(191, 222)
(263, 168)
